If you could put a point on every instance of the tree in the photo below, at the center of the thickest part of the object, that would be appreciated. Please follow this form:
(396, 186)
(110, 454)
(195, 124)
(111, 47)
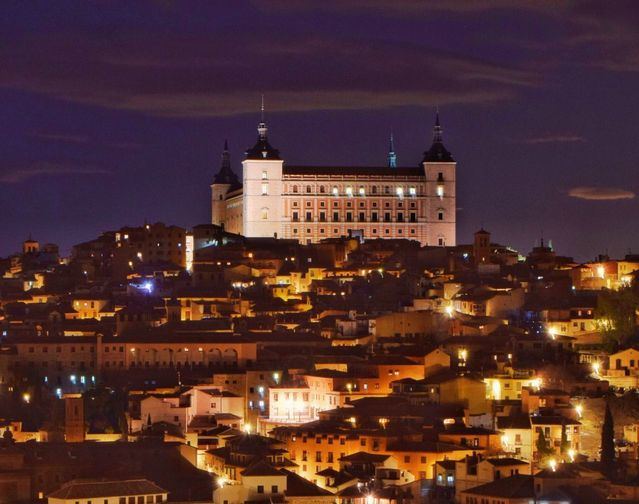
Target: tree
(565, 445)
(543, 448)
(615, 315)
(608, 442)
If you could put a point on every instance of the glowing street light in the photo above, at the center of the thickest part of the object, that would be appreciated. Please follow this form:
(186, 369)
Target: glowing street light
(449, 310)
(571, 454)
(596, 367)
(26, 397)
(579, 409)
(247, 428)
(552, 463)
(552, 332)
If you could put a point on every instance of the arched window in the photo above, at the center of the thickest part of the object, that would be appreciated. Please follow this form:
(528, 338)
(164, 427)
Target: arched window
(322, 189)
(295, 188)
(308, 188)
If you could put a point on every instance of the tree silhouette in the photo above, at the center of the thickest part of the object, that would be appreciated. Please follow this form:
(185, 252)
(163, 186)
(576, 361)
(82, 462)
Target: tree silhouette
(565, 445)
(608, 443)
(543, 448)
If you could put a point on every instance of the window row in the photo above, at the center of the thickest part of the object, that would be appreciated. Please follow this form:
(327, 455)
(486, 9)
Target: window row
(351, 191)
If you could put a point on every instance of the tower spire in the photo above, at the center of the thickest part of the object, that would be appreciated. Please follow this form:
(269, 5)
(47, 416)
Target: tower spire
(262, 149)
(392, 157)
(437, 152)
(262, 130)
(437, 129)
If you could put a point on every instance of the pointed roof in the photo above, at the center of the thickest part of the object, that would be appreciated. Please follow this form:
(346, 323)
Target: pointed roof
(226, 175)
(392, 156)
(262, 148)
(437, 152)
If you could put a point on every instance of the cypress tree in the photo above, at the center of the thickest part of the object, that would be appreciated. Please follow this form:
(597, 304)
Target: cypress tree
(608, 442)
(565, 445)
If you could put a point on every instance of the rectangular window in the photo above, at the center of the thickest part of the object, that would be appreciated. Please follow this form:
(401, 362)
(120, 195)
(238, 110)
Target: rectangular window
(413, 217)
(349, 216)
(440, 215)
(387, 217)
(335, 216)
(374, 216)
(322, 216)
(273, 488)
(296, 216)
(362, 216)
(260, 489)
(265, 189)
(309, 217)
(400, 216)
(264, 175)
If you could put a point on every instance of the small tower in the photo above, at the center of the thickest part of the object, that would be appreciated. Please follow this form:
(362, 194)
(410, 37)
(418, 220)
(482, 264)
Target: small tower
(30, 246)
(74, 430)
(223, 182)
(481, 247)
(439, 168)
(392, 157)
(263, 187)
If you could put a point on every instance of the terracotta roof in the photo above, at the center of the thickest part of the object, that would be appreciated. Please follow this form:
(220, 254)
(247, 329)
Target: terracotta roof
(88, 489)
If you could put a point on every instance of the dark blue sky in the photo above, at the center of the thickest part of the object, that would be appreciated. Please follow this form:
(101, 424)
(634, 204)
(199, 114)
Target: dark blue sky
(115, 112)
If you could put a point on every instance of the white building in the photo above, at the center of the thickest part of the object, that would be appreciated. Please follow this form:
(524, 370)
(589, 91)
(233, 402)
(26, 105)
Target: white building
(311, 203)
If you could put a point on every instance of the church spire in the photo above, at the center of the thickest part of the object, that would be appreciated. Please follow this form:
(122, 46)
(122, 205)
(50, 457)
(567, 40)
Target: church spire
(392, 157)
(437, 152)
(262, 149)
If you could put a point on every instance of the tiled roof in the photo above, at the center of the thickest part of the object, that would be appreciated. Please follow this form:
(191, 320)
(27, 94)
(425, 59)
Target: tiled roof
(89, 489)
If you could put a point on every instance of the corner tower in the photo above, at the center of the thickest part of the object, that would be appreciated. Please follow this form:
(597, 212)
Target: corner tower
(262, 182)
(223, 182)
(439, 168)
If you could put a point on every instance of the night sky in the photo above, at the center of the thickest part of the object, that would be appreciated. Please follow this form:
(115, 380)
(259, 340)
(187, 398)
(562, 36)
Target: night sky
(116, 112)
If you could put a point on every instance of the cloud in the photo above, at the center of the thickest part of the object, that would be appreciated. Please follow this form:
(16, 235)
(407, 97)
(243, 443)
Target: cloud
(60, 137)
(19, 175)
(408, 7)
(551, 139)
(223, 73)
(600, 193)
(82, 139)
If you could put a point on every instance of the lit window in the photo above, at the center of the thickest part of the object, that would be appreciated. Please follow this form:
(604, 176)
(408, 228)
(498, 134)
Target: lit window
(349, 191)
(400, 192)
(264, 189)
(264, 175)
(412, 191)
(264, 214)
(440, 191)
(335, 191)
(362, 192)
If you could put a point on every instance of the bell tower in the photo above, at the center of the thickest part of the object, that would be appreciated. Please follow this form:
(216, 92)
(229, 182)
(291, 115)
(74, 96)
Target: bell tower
(439, 168)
